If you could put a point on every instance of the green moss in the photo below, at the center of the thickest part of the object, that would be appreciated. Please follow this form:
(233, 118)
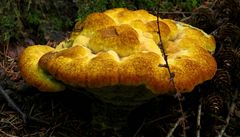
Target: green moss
(34, 17)
(27, 18)
(10, 22)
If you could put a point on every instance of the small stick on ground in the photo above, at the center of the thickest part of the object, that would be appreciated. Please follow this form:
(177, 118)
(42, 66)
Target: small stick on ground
(140, 128)
(174, 12)
(231, 110)
(199, 119)
(6, 134)
(12, 104)
(171, 75)
(148, 123)
(175, 126)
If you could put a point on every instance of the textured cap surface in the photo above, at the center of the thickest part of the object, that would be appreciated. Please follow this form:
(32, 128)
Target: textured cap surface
(119, 47)
(33, 73)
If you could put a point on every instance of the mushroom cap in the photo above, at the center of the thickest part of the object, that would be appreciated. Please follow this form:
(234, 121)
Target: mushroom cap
(33, 74)
(120, 47)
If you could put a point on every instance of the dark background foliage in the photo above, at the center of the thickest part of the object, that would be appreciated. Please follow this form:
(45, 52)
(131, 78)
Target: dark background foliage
(36, 22)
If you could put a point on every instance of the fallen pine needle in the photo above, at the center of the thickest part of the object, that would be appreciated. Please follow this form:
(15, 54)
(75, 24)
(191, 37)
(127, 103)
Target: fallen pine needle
(174, 127)
(6, 134)
(13, 105)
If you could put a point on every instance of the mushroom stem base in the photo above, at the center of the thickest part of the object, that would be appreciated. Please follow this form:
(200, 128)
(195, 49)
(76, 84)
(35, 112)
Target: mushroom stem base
(116, 103)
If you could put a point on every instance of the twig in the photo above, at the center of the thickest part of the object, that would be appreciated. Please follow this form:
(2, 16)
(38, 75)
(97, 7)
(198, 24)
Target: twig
(171, 74)
(140, 128)
(158, 119)
(35, 134)
(34, 119)
(174, 12)
(213, 3)
(231, 110)
(148, 123)
(5, 49)
(13, 105)
(177, 13)
(179, 96)
(174, 127)
(199, 119)
(2, 107)
(6, 134)
(165, 57)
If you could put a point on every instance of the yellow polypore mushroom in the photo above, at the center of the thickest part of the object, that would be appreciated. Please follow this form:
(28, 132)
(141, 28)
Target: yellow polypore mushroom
(33, 73)
(120, 47)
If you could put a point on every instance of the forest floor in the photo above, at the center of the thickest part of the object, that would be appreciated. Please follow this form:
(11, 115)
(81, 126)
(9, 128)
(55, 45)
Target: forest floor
(69, 113)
